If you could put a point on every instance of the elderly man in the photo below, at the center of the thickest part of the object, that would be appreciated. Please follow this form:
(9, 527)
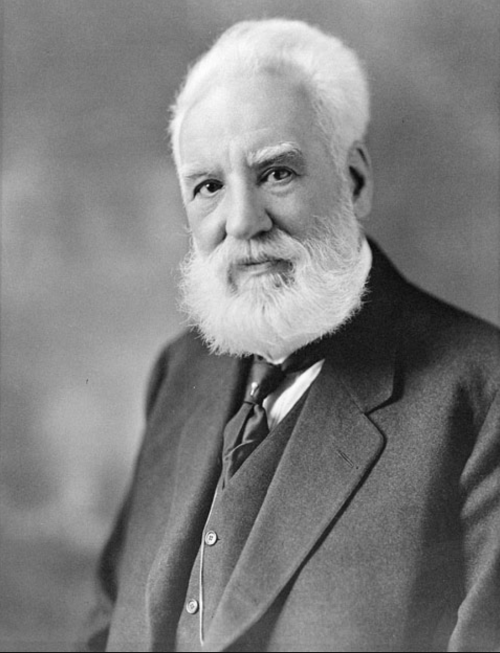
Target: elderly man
(321, 464)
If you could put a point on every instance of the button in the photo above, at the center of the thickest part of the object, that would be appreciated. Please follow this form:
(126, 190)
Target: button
(210, 538)
(192, 606)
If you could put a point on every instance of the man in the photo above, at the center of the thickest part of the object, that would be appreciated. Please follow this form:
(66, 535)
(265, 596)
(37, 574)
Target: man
(320, 469)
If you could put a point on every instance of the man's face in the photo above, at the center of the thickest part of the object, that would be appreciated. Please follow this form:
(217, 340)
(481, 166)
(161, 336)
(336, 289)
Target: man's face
(252, 160)
(276, 261)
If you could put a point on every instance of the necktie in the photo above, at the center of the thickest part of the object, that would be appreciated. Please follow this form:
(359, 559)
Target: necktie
(248, 428)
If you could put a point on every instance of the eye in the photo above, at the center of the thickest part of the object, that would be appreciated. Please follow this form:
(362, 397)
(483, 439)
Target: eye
(278, 175)
(207, 188)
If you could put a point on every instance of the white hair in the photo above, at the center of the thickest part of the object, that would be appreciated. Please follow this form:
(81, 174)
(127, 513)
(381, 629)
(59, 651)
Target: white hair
(331, 73)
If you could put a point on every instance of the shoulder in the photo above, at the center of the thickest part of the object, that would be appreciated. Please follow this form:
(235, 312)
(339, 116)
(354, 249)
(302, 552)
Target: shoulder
(449, 356)
(428, 324)
(436, 343)
(179, 357)
(446, 332)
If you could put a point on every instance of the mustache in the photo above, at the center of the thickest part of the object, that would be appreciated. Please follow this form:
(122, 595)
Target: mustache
(274, 245)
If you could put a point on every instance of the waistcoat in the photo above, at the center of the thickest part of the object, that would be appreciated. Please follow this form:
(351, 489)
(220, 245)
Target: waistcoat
(234, 512)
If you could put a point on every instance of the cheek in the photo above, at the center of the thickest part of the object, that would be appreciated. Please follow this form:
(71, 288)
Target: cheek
(296, 216)
(205, 231)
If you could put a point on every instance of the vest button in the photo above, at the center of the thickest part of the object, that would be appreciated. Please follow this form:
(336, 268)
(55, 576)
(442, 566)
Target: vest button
(210, 538)
(192, 606)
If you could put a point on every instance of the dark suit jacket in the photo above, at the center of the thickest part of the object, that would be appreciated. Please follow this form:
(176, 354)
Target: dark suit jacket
(381, 527)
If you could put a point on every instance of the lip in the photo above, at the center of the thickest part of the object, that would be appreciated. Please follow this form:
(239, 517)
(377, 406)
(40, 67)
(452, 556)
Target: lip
(267, 266)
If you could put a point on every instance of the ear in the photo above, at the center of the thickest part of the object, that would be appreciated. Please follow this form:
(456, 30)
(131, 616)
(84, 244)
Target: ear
(359, 172)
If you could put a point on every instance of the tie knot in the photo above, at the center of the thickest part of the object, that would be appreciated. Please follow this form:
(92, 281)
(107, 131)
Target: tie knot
(264, 379)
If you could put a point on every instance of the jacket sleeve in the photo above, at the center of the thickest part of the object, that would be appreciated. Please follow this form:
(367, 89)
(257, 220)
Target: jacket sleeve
(478, 620)
(96, 628)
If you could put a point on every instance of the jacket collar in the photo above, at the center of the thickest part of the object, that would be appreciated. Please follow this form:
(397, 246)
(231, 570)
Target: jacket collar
(363, 351)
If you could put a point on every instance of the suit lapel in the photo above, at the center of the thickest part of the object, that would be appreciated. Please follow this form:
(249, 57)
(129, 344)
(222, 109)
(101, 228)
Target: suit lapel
(218, 384)
(332, 448)
(321, 468)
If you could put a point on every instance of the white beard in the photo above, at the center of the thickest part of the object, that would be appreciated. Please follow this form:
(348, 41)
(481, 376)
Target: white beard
(272, 315)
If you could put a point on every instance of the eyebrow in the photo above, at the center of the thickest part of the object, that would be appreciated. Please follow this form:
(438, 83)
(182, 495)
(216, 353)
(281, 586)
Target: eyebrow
(192, 172)
(276, 154)
(281, 153)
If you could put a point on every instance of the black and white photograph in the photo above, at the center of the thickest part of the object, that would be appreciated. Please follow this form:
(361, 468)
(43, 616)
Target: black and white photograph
(250, 325)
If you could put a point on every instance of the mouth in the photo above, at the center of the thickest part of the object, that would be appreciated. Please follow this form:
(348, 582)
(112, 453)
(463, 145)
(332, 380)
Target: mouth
(256, 267)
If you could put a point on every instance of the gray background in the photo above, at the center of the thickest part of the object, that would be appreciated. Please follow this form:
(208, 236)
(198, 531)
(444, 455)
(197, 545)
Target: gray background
(93, 230)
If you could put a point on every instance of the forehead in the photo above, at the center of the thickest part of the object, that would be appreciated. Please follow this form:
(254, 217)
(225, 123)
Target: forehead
(242, 116)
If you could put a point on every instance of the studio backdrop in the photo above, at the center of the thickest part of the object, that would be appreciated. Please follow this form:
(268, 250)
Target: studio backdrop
(93, 230)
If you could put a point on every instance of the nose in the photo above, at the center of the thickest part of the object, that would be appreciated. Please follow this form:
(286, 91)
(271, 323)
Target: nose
(246, 216)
